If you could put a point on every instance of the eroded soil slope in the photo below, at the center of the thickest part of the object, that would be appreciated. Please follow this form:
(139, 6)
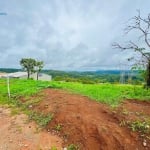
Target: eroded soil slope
(89, 124)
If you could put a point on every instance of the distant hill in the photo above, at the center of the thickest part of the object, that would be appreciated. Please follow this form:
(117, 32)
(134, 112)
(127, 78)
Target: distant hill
(58, 72)
(99, 76)
(9, 70)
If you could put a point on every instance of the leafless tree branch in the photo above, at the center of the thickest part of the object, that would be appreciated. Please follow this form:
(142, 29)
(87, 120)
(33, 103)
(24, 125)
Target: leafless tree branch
(133, 46)
(142, 25)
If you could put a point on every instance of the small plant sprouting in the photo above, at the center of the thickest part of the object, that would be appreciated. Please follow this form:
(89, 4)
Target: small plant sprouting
(125, 112)
(73, 147)
(58, 127)
(53, 148)
(123, 123)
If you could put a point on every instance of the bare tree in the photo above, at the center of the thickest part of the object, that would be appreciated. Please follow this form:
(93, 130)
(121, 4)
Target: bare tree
(142, 25)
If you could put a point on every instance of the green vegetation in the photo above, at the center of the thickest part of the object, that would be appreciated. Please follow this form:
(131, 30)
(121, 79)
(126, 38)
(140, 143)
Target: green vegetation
(39, 65)
(40, 118)
(73, 147)
(111, 94)
(91, 77)
(53, 148)
(58, 127)
(22, 90)
(28, 65)
(142, 126)
(31, 66)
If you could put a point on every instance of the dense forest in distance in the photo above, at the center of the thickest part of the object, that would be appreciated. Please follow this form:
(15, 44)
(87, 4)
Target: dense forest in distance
(100, 76)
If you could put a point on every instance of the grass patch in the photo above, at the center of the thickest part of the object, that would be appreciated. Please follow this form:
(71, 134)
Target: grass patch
(40, 118)
(111, 94)
(24, 89)
(31, 101)
(141, 126)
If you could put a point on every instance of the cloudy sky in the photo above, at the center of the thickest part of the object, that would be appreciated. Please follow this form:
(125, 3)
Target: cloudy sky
(66, 34)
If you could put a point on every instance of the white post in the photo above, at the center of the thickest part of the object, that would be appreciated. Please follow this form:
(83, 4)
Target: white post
(8, 87)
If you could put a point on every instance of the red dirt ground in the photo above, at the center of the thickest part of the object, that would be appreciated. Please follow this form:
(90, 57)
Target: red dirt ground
(79, 121)
(92, 125)
(16, 133)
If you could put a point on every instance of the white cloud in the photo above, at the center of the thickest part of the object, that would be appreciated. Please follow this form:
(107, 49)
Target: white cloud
(65, 34)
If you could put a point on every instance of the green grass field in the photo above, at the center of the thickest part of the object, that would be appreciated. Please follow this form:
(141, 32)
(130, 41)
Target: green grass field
(111, 94)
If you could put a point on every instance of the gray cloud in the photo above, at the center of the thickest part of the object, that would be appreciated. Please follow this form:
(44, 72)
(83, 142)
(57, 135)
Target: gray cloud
(66, 34)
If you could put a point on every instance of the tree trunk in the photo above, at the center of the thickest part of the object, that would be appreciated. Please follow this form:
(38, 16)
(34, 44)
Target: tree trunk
(28, 74)
(37, 75)
(148, 75)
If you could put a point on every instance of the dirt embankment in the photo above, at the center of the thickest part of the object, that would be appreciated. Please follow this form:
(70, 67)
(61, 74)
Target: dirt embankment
(91, 125)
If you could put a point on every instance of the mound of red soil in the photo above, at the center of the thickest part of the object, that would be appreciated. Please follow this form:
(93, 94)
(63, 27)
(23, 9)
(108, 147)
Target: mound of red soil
(89, 124)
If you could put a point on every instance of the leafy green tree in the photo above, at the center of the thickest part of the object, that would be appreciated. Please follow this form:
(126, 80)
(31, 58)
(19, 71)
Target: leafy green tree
(39, 66)
(28, 65)
(142, 26)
